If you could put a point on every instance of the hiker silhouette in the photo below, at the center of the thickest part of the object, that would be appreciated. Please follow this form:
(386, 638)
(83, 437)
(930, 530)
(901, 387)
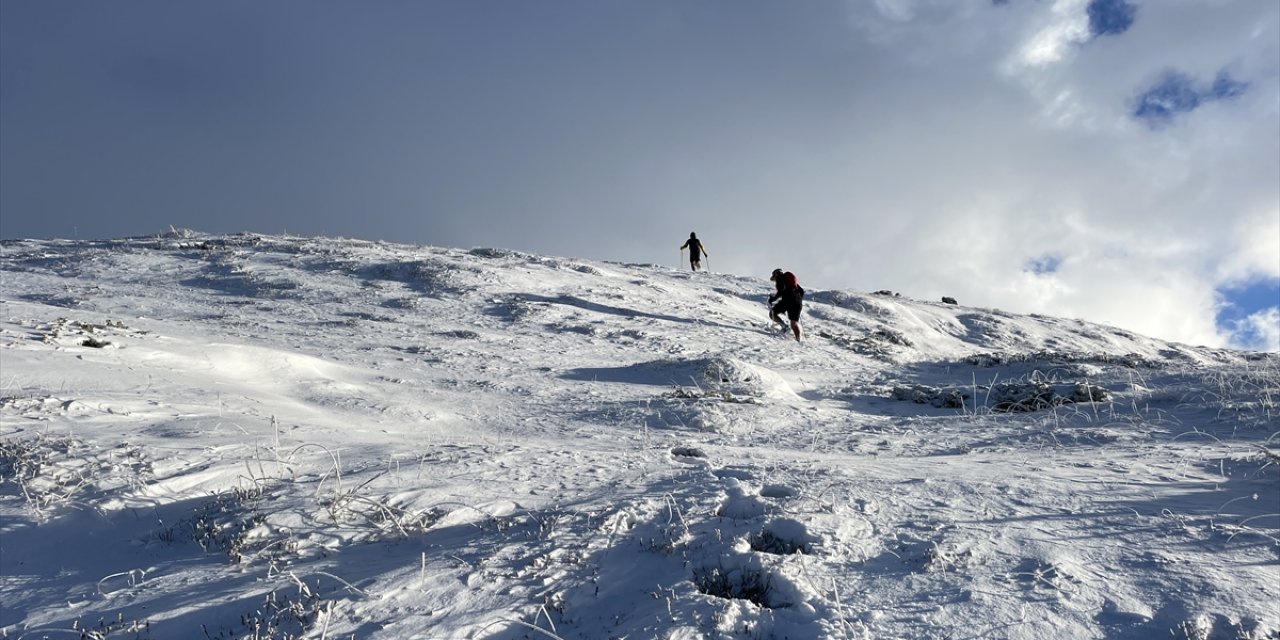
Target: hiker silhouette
(696, 251)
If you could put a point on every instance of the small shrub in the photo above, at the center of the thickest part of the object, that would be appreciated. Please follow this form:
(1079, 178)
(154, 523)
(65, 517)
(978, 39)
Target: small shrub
(687, 452)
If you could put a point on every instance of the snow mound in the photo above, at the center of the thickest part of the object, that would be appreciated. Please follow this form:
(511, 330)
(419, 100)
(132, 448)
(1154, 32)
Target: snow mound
(735, 377)
(714, 377)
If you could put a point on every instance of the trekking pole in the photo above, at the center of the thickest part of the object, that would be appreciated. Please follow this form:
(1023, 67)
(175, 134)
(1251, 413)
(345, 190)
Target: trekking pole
(681, 263)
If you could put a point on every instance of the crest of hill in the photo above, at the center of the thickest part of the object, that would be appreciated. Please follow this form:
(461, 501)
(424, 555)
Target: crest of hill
(485, 293)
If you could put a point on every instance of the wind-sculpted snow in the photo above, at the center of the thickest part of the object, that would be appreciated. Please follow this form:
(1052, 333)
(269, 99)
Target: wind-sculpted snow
(697, 377)
(248, 436)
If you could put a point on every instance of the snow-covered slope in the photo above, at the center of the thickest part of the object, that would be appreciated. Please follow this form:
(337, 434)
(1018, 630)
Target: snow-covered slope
(267, 437)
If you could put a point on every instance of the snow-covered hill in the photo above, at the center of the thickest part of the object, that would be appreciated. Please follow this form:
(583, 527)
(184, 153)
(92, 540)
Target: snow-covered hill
(268, 437)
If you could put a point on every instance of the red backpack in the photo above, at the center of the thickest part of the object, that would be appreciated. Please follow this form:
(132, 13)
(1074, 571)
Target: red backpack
(789, 281)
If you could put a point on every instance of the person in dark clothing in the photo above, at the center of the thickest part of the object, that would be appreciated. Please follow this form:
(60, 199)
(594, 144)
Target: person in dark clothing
(696, 251)
(788, 298)
(776, 278)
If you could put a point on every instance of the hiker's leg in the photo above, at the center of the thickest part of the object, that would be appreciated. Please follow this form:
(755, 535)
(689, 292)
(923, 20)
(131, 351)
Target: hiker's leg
(774, 315)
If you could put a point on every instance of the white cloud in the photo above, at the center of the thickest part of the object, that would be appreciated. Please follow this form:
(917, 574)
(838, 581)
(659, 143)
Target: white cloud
(1104, 276)
(1058, 31)
(1065, 110)
(896, 10)
(1256, 250)
(1259, 331)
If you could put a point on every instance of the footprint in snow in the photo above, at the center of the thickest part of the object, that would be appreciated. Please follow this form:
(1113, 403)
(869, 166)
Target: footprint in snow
(739, 502)
(784, 537)
(778, 491)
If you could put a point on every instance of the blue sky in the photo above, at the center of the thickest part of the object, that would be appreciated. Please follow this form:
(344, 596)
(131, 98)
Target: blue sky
(1176, 94)
(1109, 160)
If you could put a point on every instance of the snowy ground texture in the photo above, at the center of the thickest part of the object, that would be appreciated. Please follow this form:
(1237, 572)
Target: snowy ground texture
(268, 437)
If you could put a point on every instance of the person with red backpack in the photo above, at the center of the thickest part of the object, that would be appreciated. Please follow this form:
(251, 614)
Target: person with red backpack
(790, 300)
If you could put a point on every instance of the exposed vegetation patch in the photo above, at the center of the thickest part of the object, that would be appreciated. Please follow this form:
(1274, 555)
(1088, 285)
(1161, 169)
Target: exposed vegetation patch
(1205, 627)
(462, 334)
(999, 358)
(280, 615)
(687, 452)
(1004, 397)
(86, 334)
(223, 524)
(879, 343)
(48, 472)
(752, 585)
